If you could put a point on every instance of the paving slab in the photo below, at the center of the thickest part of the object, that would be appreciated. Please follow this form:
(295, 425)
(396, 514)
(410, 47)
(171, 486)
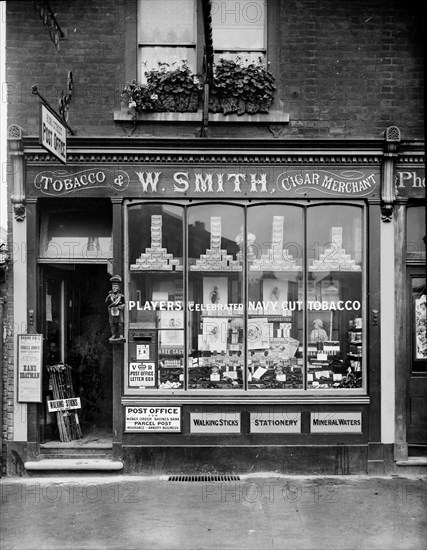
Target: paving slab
(257, 512)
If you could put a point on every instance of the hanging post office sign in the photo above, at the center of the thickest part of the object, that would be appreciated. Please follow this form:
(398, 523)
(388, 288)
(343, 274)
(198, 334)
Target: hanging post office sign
(53, 134)
(30, 368)
(153, 419)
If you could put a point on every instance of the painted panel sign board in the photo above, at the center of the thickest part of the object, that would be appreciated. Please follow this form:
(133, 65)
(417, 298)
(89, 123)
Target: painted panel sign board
(336, 422)
(215, 422)
(153, 419)
(30, 368)
(235, 181)
(411, 182)
(275, 422)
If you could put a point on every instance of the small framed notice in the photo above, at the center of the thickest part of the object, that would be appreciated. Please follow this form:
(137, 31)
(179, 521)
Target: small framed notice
(30, 368)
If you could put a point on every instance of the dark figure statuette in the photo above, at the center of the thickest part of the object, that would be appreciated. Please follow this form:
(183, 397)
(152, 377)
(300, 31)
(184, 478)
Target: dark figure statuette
(116, 304)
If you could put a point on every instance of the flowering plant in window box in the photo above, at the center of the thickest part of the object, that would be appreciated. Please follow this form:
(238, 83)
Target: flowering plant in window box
(241, 86)
(169, 87)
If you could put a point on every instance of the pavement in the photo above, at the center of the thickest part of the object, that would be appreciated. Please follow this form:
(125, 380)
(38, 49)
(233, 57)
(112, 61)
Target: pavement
(257, 512)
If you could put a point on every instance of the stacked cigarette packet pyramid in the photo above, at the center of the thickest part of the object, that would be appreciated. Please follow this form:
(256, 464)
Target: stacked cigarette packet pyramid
(216, 259)
(276, 258)
(334, 258)
(156, 257)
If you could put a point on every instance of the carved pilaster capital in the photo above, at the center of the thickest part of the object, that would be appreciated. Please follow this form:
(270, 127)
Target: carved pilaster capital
(388, 188)
(16, 153)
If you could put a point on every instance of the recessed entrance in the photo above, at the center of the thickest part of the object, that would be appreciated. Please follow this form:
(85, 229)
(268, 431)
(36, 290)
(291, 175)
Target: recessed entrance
(76, 332)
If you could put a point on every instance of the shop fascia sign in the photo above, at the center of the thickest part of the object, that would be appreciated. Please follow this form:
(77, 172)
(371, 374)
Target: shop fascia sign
(191, 181)
(410, 182)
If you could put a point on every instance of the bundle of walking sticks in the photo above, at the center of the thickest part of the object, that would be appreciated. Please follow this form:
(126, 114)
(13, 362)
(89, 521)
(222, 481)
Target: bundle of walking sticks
(62, 388)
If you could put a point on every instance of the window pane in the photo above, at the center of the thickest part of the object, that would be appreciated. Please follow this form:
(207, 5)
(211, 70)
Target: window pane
(238, 25)
(82, 232)
(246, 58)
(166, 21)
(150, 57)
(416, 230)
(275, 277)
(156, 315)
(216, 315)
(336, 341)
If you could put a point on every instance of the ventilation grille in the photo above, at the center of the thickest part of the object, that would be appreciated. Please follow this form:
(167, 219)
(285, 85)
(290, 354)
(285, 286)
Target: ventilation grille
(392, 133)
(203, 478)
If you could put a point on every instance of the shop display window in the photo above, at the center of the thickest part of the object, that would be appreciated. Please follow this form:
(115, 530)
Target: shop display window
(335, 343)
(215, 297)
(275, 279)
(156, 290)
(245, 298)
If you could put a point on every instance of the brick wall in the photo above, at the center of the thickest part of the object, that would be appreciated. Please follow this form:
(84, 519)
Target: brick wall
(346, 69)
(93, 51)
(352, 68)
(8, 331)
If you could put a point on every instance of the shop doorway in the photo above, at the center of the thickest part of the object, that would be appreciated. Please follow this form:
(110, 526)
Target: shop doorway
(76, 332)
(416, 414)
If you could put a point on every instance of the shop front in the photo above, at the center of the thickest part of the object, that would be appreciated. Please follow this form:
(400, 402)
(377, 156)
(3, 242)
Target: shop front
(411, 328)
(248, 333)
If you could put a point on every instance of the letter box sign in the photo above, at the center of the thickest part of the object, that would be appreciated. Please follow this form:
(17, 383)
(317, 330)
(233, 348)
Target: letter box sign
(53, 134)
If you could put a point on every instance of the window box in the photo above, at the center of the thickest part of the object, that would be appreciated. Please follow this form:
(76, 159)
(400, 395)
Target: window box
(273, 117)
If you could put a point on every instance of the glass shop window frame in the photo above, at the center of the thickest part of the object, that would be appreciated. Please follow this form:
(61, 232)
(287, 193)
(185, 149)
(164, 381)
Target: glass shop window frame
(245, 393)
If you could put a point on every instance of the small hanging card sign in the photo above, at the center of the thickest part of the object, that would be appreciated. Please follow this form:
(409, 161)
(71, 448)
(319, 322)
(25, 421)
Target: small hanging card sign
(30, 368)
